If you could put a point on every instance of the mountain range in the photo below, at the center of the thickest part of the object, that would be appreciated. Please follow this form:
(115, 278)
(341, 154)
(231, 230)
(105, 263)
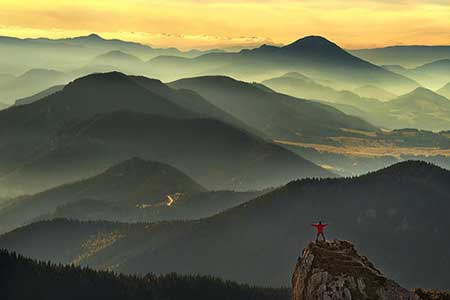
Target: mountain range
(401, 226)
(277, 115)
(420, 108)
(19, 55)
(313, 56)
(94, 123)
(130, 159)
(431, 75)
(406, 56)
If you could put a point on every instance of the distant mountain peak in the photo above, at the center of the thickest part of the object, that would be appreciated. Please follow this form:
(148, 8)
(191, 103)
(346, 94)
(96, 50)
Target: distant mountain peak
(94, 36)
(424, 92)
(312, 41)
(117, 55)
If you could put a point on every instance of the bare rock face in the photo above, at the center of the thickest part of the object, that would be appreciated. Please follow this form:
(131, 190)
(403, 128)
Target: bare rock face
(333, 270)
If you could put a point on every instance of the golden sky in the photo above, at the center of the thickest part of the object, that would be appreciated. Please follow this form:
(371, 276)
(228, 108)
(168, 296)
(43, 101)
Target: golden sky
(209, 23)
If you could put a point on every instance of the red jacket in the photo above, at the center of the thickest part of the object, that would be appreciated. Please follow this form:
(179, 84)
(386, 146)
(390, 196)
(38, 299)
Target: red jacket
(319, 227)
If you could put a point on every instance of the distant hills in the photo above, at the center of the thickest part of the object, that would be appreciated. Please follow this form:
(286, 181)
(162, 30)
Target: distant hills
(119, 61)
(68, 54)
(407, 56)
(29, 83)
(133, 190)
(298, 85)
(445, 91)
(370, 91)
(93, 123)
(213, 153)
(401, 226)
(431, 75)
(313, 56)
(422, 108)
(276, 115)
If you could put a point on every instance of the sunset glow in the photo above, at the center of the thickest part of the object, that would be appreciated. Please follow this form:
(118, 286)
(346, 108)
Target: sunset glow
(210, 23)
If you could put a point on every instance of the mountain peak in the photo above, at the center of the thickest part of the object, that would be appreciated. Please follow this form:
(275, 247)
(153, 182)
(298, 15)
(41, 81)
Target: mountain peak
(424, 93)
(335, 270)
(94, 36)
(100, 77)
(130, 165)
(312, 41)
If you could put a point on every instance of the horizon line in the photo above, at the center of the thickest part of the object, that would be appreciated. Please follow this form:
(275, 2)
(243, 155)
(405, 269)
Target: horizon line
(214, 47)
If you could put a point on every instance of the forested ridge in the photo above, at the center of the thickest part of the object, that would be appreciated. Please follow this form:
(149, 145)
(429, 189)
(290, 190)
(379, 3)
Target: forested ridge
(24, 278)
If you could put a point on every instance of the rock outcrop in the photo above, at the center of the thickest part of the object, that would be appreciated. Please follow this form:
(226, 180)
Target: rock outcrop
(334, 270)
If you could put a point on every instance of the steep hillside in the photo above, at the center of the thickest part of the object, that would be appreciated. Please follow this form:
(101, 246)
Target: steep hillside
(335, 270)
(393, 215)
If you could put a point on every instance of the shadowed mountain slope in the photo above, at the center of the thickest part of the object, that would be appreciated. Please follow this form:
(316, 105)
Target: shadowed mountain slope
(82, 99)
(393, 215)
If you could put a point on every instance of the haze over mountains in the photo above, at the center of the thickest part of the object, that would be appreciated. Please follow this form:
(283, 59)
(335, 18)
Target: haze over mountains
(89, 126)
(47, 53)
(133, 190)
(312, 56)
(277, 115)
(123, 157)
(407, 56)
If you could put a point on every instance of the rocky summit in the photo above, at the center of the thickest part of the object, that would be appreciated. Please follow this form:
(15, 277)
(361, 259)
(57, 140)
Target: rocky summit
(333, 270)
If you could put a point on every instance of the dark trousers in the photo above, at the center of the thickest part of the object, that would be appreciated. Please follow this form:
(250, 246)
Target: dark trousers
(322, 235)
